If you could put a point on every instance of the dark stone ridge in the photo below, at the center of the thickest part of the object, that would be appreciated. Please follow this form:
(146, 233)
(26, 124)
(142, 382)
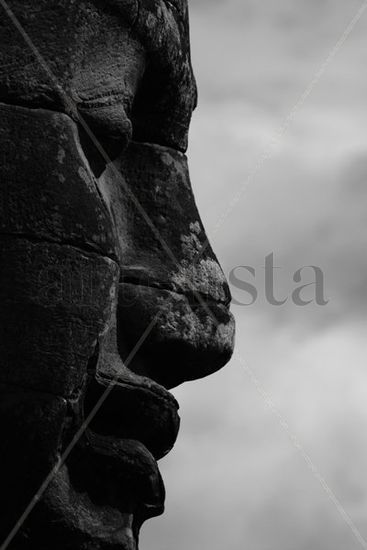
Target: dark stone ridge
(99, 235)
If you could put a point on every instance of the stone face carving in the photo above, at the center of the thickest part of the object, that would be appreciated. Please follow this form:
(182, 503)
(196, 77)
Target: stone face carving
(100, 238)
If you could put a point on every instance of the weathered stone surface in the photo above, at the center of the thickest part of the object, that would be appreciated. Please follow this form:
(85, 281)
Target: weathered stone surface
(56, 302)
(168, 95)
(31, 426)
(155, 422)
(99, 236)
(48, 191)
(96, 54)
(167, 272)
(89, 60)
(190, 340)
(167, 251)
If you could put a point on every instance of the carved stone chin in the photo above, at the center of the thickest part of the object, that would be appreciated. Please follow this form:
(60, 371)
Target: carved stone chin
(100, 239)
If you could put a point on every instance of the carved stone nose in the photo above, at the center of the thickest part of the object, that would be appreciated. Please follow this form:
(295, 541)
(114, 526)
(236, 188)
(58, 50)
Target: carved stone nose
(188, 340)
(161, 241)
(168, 269)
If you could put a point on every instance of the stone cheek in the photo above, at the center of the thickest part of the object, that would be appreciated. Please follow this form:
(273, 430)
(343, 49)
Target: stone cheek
(56, 304)
(48, 191)
(57, 248)
(22, 469)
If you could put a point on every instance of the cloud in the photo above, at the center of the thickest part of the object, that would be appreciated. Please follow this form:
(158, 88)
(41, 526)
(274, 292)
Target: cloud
(235, 480)
(269, 51)
(306, 204)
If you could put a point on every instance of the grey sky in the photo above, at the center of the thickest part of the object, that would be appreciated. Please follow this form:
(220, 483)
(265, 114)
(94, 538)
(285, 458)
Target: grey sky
(234, 480)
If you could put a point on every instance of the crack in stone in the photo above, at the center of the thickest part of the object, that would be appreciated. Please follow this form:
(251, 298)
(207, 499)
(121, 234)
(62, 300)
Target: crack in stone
(85, 248)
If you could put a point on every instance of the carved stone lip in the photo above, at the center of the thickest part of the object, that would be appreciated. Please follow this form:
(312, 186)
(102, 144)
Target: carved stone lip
(135, 409)
(137, 424)
(122, 473)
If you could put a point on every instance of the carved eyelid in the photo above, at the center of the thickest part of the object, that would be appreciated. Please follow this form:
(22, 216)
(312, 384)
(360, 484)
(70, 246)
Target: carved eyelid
(175, 4)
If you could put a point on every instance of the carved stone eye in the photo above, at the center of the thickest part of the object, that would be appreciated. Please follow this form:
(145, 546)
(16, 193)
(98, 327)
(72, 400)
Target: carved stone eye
(175, 4)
